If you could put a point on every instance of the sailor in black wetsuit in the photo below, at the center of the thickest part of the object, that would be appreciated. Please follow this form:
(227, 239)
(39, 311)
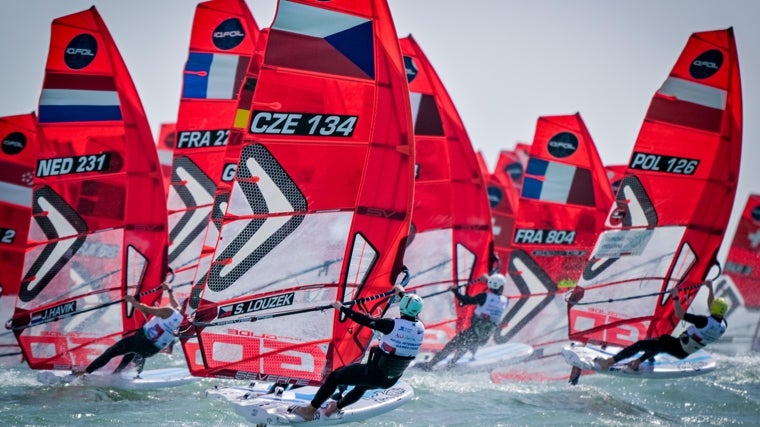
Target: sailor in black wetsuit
(490, 309)
(401, 340)
(704, 330)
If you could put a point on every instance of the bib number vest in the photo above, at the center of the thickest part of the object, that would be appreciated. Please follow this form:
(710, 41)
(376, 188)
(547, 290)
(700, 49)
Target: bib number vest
(161, 331)
(397, 349)
(695, 338)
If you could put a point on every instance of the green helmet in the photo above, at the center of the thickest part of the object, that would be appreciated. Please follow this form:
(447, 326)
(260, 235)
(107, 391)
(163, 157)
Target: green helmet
(719, 307)
(411, 305)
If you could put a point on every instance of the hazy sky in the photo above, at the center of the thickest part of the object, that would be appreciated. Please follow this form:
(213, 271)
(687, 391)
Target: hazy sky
(504, 62)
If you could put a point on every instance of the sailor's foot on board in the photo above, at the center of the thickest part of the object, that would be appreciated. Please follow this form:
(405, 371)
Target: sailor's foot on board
(332, 408)
(78, 371)
(604, 364)
(306, 412)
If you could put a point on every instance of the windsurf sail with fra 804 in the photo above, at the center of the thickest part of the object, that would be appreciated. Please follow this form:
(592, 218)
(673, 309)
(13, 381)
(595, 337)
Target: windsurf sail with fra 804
(451, 242)
(91, 239)
(673, 205)
(18, 152)
(564, 200)
(321, 202)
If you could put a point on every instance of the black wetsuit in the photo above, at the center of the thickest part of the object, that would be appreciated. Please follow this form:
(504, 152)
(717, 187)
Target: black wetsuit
(664, 344)
(469, 339)
(135, 344)
(363, 376)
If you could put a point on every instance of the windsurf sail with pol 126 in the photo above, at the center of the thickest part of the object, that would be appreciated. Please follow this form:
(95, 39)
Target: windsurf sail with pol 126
(91, 239)
(671, 210)
(18, 153)
(321, 201)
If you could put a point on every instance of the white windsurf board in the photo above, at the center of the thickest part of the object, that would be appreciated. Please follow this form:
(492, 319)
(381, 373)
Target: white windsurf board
(148, 379)
(664, 365)
(272, 408)
(485, 358)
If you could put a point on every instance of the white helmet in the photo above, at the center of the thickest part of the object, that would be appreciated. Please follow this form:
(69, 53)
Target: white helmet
(411, 305)
(496, 281)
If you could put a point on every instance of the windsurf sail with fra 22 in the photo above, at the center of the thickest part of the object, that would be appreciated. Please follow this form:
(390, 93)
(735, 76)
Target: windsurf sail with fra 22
(18, 153)
(673, 205)
(321, 202)
(451, 242)
(222, 42)
(91, 239)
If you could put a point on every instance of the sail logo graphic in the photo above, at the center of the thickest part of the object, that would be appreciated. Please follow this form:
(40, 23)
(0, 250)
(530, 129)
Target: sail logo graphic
(268, 189)
(515, 172)
(65, 232)
(304, 124)
(411, 68)
(228, 172)
(495, 195)
(7, 235)
(754, 238)
(81, 51)
(255, 305)
(14, 143)
(706, 64)
(228, 34)
(562, 144)
(202, 138)
(53, 312)
(544, 237)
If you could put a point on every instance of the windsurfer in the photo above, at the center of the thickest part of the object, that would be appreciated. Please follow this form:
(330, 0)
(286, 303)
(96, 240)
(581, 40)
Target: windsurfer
(401, 340)
(704, 330)
(488, 314)
(155, 335)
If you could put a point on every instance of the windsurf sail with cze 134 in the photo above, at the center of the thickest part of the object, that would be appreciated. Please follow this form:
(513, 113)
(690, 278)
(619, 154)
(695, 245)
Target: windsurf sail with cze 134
(320, 204)
(18, 154)
(673, 205)
(98, 227)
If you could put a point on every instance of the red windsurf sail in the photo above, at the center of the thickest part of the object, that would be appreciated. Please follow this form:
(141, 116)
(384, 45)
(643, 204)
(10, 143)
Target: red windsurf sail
(98, 228)
(321, 200)
(165, 145)
(564, 201)
(222, 42)
(615, 174)
(18, 153)
(451, 242)
(511, 164)
(503, 197)
(673, 205)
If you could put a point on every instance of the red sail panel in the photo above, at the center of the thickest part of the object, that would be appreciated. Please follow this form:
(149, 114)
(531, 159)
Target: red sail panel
(673, 206)
(222, 42)
(564, 202)
(18, 152)
(165, 145)
(511, 164)
(451, 241)
(615, 174)
(743, 262)
(91, 239)
(321, 202)
(503, 198)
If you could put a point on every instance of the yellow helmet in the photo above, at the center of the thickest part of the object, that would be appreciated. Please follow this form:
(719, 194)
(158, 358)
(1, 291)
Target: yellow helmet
(719, 307)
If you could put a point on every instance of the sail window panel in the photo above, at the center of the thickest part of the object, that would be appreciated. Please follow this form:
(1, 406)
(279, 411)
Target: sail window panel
(465, 263)
(363, 257)
(425, 115)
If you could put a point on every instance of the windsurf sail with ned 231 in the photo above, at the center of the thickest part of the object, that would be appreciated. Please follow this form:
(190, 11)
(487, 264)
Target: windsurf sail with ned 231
(673, 204)
(321, 201)
(451, 242)
(18, 153)
(98, 227)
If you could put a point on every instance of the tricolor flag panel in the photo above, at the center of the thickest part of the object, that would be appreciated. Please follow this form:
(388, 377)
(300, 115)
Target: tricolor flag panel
(688, 103)
(309, 38)
(79, 98)
(213, 76)
(558, 182)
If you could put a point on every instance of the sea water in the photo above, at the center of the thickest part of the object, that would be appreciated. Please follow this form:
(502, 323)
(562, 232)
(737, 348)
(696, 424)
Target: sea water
(730, 395)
